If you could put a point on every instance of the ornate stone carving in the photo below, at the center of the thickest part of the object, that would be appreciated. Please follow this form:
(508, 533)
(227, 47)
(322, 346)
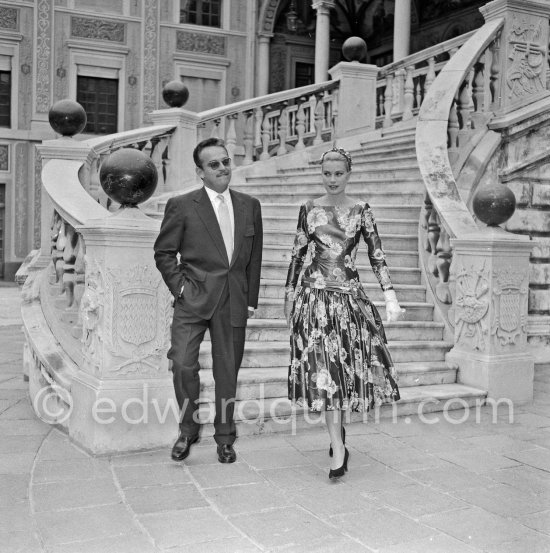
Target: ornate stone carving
(526, 53)
(43, 55)
(21, 200)
(510, 294)
(4, 157)
(471, 306)
(8, 18)
(201, 42)
(150, 55)
(269, 18)
(97, 29)
(91, 313)
(37, 199)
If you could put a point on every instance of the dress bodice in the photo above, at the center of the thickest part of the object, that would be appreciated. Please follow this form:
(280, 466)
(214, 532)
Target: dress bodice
(327, 238)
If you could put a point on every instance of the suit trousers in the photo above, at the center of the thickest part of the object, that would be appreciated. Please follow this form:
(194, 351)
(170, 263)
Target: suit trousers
(227, 352)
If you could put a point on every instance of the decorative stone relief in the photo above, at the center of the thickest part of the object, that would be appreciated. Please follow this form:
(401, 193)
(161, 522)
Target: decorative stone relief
(43, 55)
(200, 42)
(21, 200)
(150, 55)
(269, 19)
(4, 157)
(510, 294)
(8, 18)
(91, 313)
(97, 29)
(37, 200)
(471, 306)
(526, 55)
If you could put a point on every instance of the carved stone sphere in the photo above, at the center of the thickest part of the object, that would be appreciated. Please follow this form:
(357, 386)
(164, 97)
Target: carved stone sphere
(67, 117)
(494, 204)
(128, 177)
(354, 49)
(175, 94)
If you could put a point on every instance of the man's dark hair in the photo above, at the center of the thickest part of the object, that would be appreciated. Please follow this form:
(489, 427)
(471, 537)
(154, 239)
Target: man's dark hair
(206, 144)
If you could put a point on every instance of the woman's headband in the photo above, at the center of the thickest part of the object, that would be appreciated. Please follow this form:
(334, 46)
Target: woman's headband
(344, 153)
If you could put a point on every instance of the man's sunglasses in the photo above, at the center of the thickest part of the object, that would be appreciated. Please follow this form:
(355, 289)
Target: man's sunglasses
(226, 162)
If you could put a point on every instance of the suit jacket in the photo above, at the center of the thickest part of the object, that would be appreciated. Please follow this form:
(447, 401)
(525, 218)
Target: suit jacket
(190, 228)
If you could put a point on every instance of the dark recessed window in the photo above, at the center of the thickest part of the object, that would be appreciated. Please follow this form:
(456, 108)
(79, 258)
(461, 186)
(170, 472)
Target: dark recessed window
(99, 98)
(201, 12)
(5, 98)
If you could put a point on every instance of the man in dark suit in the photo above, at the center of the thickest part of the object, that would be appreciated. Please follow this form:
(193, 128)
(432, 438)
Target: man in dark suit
(218, 235)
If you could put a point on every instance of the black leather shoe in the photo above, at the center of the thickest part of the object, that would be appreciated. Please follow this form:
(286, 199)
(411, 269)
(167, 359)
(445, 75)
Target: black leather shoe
(226, 453)
(182, 447)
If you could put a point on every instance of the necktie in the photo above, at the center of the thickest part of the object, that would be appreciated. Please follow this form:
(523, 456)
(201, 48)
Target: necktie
(225, 225)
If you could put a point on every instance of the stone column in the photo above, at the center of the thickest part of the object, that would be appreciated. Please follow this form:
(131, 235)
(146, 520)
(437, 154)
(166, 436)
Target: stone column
(181, 169)
(491, 271)
(356, 97)
(262, 83)
(520, 58)
(123, 397)
(401, 29)
(322, 38)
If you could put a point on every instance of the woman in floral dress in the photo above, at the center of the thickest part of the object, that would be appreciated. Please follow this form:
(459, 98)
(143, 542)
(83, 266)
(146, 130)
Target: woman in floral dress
(339, 360)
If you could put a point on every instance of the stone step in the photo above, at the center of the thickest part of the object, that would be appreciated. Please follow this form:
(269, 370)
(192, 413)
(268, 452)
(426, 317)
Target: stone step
(399, 275)
(385, 226)
(271, 288)
(276, 330)
(389, 241)
(274, 354)
(370, 182)
(279, 415)
(394, 258)
(381, 211)
(298, 196)
(363, 162)
(272, 308)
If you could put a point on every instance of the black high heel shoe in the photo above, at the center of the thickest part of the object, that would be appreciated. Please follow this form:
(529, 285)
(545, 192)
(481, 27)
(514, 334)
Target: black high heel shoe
(336, 473)
(330, 451)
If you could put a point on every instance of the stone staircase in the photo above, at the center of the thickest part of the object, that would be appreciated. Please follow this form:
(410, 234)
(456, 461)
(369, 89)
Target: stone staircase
(385, 174)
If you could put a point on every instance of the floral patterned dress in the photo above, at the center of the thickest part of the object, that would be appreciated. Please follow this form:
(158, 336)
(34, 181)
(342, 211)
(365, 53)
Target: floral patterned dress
(339, 358)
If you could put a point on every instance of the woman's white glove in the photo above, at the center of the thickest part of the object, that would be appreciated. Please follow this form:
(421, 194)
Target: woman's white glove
(394, 312)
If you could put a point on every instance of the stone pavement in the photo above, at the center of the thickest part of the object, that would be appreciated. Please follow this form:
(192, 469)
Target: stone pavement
(447, 487)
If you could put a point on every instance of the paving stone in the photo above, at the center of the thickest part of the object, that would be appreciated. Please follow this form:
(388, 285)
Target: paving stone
(505, 500)
(438, 543)
(139, 476)
(524, 478)
(408, 426)
(214, 476)
(415, 500)
(477, 527)
(449, 477)
(128, 543)
(27, 445)
(155, 499)
(375, 477)
(500, 444)
(58, 446)
(311, 441)
(274, 458)
(537, 458)
(15, 486)
(533, 544)
(282, 528)
(56, 496)
(262, 441)
(72, 469)
(382, 527)
(297, 478)
(246, 498)
(538, 521)
(433, 444)
(21, 410)
(227, 545)
(405, 458)
(372, 441)
(23, 427)
(59, 527)
(182, 528)
(158, 456)
(531, 420)
(15, 516)
(20, 542)
(18, 463)
(326, 545)
(478, 461)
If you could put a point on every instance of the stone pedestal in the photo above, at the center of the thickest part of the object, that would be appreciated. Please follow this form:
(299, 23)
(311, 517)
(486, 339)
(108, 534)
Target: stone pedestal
(123, 397)
(356, 97)
(520, 60)
(181, 168)
(491, 272)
